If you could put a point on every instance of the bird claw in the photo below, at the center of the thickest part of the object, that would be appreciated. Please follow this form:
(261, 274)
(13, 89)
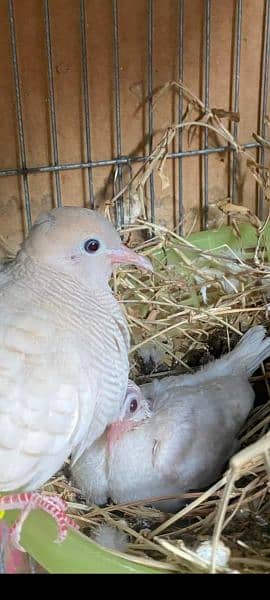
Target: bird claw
(53, 505)
(14, 536)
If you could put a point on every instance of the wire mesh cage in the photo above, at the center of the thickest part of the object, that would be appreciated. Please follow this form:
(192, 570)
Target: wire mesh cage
(79, 86)
(94, 56)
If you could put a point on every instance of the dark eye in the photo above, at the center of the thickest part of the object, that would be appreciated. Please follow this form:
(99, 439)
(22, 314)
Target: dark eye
(91, 246)
(133, 405)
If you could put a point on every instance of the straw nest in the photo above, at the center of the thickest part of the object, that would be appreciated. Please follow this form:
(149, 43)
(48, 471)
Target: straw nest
(193, 308)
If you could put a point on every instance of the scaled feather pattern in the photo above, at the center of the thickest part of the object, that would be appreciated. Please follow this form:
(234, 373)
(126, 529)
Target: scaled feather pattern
(64, 344)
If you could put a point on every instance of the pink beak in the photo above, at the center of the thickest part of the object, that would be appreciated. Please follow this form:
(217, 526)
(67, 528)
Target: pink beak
(116, 430)
(128, 256)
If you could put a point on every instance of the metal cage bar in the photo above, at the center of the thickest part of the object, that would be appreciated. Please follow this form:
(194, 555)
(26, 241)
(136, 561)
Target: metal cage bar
(206, 61)
(118, 169)
(52, 99)
(22, 151)
(119, 161)
(180, 113)
(123, 160)
(264, 88)
(150, 99)
(86, 101)
(235, 93)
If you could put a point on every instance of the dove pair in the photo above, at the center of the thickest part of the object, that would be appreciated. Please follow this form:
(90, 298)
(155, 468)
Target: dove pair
(176, 434)
(64, 345)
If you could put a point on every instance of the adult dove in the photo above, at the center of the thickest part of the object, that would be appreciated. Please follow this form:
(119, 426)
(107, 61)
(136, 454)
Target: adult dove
(63, 352)
(184, 442)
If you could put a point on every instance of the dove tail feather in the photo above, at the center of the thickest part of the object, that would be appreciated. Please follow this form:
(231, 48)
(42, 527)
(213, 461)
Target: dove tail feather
(246, 357)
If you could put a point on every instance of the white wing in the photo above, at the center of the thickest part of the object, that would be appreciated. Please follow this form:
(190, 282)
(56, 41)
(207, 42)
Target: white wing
(45, 399)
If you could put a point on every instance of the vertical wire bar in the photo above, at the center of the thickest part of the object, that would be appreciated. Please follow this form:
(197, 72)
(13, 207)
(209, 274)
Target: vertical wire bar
(206, 55)
(22, 150)
(206, 62)
(264, 87)
(180, 113)
(236, 89)
(150, 102)
(86, 100)
(118, 174)
(52, 99)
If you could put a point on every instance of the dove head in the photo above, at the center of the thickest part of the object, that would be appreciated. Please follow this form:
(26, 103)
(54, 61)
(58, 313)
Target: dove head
(134, 411)
(80, 242)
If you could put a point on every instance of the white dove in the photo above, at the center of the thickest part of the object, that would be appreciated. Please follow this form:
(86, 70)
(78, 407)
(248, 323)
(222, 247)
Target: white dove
(187, 439)
(63, 352)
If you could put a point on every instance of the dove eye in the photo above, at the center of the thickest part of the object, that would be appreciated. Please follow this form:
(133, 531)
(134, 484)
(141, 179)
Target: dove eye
(133, 405)
(91, 246)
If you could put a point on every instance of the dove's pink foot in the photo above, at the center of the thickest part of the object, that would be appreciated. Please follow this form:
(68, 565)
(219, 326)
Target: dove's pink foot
(27, 501)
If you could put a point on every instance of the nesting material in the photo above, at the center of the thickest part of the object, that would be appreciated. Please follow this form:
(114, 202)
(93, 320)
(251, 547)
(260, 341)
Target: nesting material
(167, 310)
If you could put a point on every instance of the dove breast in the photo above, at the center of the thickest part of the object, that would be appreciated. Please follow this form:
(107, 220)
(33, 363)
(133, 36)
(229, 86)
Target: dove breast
(50, 361)
(64, 344)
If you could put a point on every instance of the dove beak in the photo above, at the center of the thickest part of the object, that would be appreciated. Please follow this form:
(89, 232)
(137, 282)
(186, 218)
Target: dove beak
(128, 256)
(116, 430)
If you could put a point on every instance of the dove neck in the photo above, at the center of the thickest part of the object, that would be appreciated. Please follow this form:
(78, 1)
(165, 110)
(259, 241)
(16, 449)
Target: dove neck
(47, 285)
